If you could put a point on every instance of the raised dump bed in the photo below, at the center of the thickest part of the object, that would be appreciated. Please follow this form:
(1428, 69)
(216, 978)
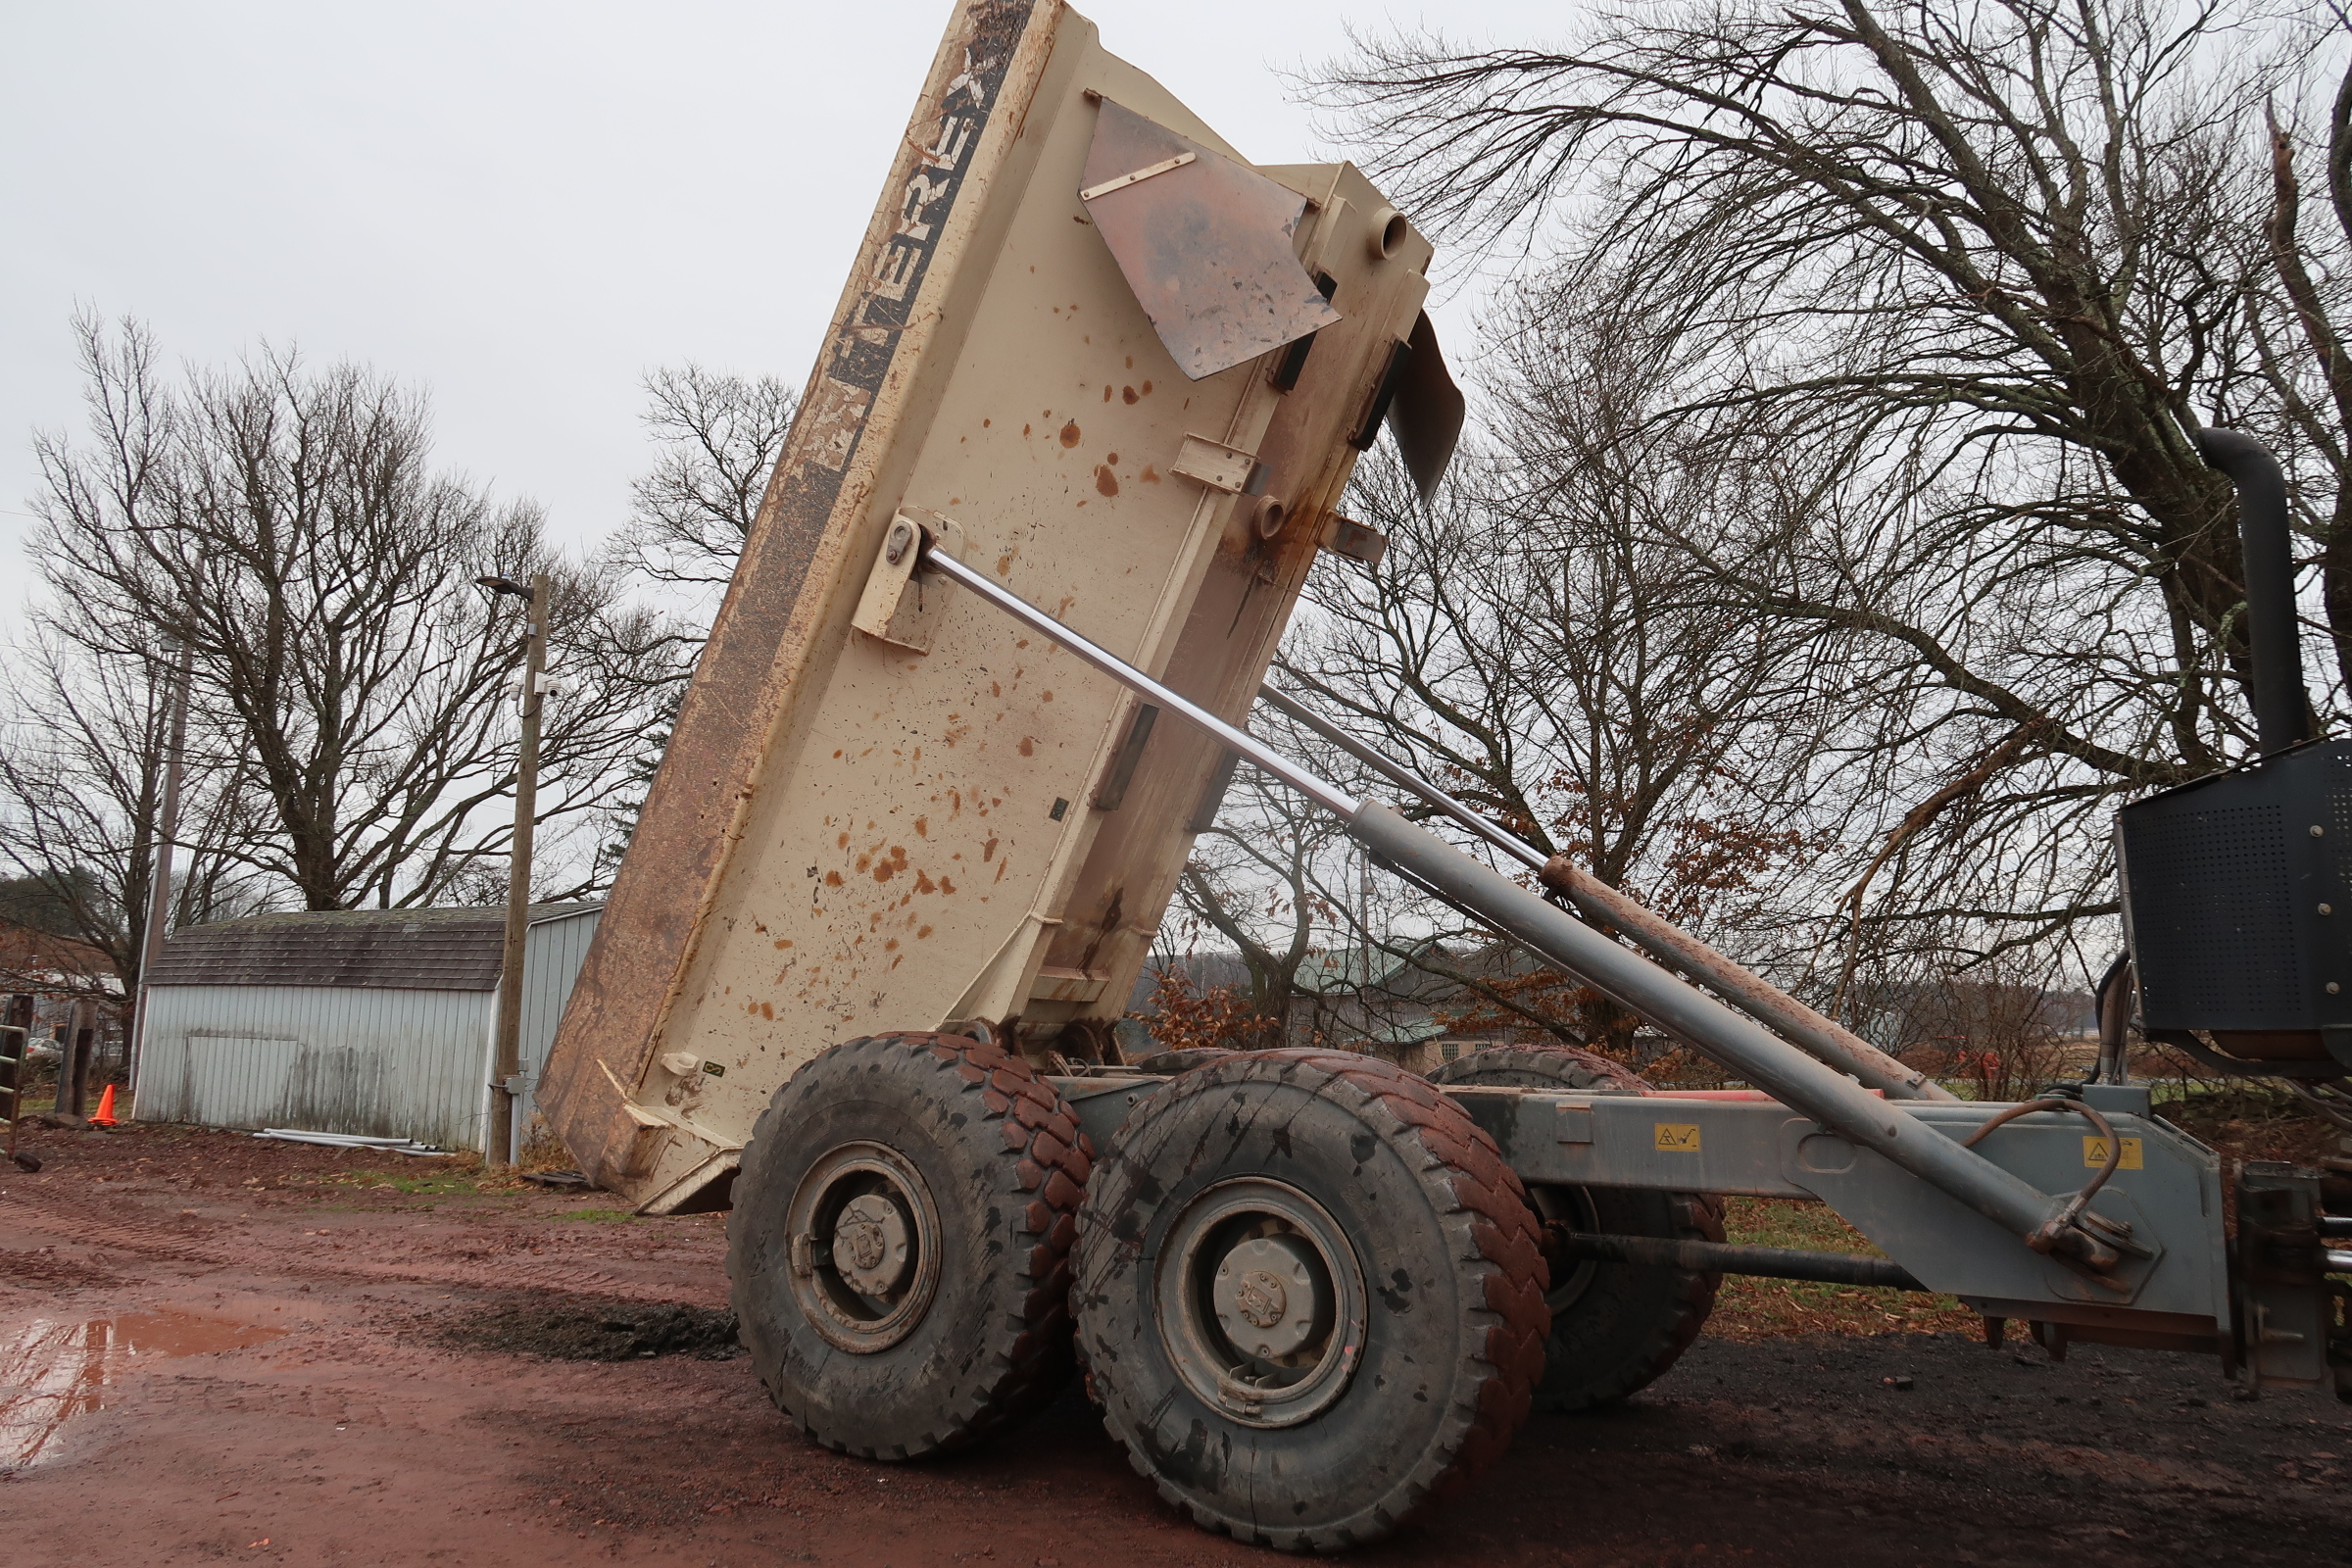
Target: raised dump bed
(951, 821)
(1083, 422)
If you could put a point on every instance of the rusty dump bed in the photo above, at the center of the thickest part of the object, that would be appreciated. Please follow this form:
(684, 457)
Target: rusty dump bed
(943, 817)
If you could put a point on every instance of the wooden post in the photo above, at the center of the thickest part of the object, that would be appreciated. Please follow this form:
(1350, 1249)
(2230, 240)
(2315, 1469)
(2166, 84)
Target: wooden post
(85, 1053)
(499, 1146)
(68, 1062)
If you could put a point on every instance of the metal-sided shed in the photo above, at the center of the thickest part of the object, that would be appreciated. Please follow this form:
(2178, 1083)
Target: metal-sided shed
(371, 1021)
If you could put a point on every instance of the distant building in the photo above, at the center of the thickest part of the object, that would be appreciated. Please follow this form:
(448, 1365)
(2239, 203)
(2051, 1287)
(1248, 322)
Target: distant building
(37, 962)
(57, 973)
(369, 1021)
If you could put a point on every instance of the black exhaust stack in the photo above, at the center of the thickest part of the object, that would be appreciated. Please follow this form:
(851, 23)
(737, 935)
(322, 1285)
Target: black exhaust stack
(2281, 709)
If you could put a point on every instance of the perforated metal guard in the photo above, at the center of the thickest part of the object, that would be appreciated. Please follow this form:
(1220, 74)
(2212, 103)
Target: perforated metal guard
(2225, 881)
(2215, 929)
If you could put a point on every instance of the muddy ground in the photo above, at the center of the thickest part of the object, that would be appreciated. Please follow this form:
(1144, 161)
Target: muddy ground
(213, 1348)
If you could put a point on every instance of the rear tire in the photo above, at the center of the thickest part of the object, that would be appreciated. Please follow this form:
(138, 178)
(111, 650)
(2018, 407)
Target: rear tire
(1615, 1327)
(1311, 1296)
(898, 1254)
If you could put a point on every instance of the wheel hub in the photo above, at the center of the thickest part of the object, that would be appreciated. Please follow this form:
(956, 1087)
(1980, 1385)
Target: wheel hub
(870, 1244)
(1261, 1301)
(1269, 1296)
(866, 1247)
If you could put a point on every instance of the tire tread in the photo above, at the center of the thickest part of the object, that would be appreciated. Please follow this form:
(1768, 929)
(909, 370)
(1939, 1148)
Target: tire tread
(1043, 1157)
(1693, 1216)
(1470, 1184)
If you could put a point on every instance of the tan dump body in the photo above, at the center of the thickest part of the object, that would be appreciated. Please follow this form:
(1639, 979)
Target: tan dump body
(849, 835)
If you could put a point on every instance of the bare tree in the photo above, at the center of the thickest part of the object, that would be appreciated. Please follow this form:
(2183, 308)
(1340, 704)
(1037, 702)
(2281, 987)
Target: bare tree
(80, 780)
(716, 439)
(1529, 643)
(286, 527)
(1251, 879)
(1960, 285)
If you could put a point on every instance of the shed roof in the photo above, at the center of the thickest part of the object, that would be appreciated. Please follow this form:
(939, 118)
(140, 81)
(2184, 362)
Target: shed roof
(407, 949)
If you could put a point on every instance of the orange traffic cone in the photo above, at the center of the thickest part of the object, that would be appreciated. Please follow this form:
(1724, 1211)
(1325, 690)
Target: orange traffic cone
(104, 1116)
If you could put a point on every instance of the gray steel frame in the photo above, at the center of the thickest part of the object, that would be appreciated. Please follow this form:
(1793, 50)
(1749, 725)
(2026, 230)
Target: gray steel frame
(2169, 1192)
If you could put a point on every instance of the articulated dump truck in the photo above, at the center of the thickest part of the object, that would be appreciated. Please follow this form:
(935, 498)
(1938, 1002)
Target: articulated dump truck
(1083, 424)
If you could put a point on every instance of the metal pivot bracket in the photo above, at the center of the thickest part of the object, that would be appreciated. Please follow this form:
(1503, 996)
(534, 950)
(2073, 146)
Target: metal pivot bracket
(1345, 536)
(1220, 466)
(894, 609)
(662, 1116)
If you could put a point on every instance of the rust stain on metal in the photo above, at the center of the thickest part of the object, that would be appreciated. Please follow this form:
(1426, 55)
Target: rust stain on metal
(1207, 245)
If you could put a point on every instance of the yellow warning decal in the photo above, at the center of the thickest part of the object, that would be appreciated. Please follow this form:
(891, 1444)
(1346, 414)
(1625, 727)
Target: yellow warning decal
(1682, 1137)
(2094, 1152)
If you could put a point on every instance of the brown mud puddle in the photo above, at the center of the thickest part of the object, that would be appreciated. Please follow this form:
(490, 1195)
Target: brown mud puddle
(54, 1369)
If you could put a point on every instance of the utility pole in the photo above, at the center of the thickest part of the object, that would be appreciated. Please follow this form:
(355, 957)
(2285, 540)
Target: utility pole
(167, 831)
(506, 1065)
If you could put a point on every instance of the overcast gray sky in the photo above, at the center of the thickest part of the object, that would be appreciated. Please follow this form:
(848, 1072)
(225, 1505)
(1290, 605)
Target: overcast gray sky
(521, 207)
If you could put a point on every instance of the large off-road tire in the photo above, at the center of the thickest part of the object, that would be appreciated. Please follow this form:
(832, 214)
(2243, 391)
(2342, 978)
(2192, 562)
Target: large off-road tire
(899, 1253)
(1615, 1327)
(1311, 1296)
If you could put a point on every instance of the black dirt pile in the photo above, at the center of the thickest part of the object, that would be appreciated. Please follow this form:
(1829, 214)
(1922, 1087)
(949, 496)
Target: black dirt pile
(594, 1331)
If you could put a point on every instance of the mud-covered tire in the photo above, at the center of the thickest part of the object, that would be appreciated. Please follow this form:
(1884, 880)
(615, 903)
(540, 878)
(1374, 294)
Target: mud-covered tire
(1416, 1360)
(1615, 1327)
(982, 1156)
(1172, 1062)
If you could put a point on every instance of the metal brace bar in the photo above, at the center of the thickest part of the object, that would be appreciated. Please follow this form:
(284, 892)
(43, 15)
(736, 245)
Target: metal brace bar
(1719, 1257)
(1327, 795)
(1136, 178)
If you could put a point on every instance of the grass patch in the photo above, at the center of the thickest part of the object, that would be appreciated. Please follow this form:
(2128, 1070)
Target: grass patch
(602, 1216)
(442, 1184)
(2250, 1121)
(1751, 1308)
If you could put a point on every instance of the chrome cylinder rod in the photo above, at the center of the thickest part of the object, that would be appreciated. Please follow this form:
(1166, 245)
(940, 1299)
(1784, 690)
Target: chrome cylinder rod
(1322, 792)
(1397, 773)
(1669, 944)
